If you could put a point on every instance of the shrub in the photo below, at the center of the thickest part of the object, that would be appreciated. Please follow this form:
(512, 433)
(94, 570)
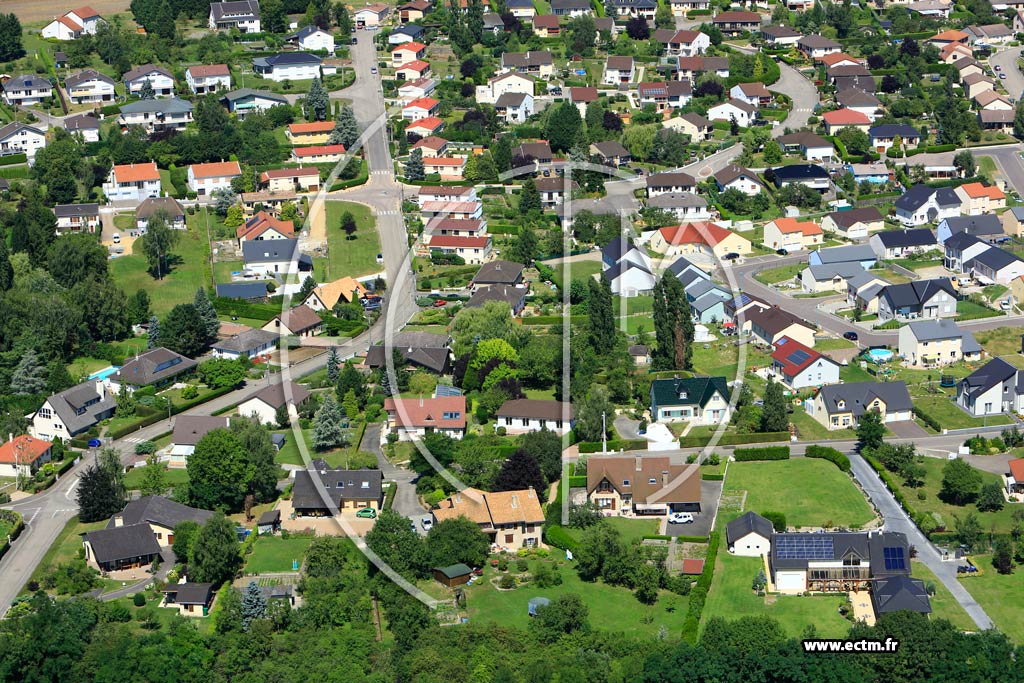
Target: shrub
(522, 565)
(507, 582)
(139, 600)
(145, 448)
(927, 419)
(778, 520)
(558, 537)
(832, 455)
(761, 453)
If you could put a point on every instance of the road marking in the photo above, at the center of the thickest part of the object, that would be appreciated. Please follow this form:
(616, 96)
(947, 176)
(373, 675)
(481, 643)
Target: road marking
(67, 494)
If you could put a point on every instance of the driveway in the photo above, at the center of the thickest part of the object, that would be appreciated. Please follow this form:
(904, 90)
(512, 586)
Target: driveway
(703, 521)
(406, 503)
(906, 429)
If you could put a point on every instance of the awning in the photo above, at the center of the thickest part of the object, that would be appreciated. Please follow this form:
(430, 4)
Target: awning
(650, 508)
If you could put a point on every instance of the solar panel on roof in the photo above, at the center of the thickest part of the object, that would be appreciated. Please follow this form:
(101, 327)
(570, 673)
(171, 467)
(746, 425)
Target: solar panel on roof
(893, 558)
(804, 547)
(797, 357)
(447, 390)
(782, 342)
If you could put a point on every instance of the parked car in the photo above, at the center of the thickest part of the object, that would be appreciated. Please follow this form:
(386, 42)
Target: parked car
(852, 336)
(367, 513)
(1002, 77)
(427, 523)
(373, 69)
(782, 252)
(1005, 304)
(117, 238)
(680, 518)
(95, 443)
(355, 40)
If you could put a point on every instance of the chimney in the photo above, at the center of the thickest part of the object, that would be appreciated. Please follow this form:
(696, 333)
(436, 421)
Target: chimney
(639, 463)
(421, 401)
(118, 521)
(515, 501)
(530, 492)
(664, 477)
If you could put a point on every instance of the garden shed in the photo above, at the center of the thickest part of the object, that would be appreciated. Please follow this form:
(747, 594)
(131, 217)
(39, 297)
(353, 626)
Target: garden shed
(453, 575)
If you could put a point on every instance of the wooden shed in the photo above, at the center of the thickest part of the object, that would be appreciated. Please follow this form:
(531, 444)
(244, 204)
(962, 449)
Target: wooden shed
(453, 575)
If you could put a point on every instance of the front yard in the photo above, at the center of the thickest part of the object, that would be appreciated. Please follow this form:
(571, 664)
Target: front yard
(950, 416)
(999, 595)
(274, 554)
(771, 276)
(811, 493)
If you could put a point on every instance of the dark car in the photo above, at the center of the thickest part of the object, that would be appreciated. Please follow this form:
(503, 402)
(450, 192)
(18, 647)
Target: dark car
(731, 256)
(782, 252)
(852, 336)
(354, 40)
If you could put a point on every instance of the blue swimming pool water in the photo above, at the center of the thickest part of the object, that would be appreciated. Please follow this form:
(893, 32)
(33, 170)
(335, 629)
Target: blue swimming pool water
(880, 355)
(104, 373)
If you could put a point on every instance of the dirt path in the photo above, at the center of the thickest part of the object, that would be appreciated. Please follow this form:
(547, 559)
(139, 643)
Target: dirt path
(318, 223)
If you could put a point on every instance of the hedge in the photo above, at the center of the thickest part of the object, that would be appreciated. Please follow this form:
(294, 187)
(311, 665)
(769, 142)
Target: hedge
(927, 419)
(733, 439)
(624, 444)
(5, 545)
(893, 486)
(15, 172)
(656, 537)
(831, 454)
(552, 319)
(364, 175)
(577, 481)
(389, 495)
(761, 453)
(560, 538)
(699, 594)
(712, 476)
(160, 415)
(12, 159)
(692, 539)
(49, 481)
(245, 309)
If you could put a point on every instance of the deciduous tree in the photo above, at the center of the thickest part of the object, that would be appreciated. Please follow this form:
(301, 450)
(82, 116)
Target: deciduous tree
(214, 556)
(452, 541)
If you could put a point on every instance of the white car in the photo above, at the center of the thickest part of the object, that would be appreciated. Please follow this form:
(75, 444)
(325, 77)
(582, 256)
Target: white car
(117, 238)
(427, 523)
(680, 518)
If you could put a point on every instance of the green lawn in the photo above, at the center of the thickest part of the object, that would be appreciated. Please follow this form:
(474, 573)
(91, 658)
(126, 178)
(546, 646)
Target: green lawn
(854, 373)
(810, 429)
(338, 457)
(66, 546)
(632, 530)
(971, 310)
(731, 597)
(811, 493)
(174, 477)
(275, 554)
(722, 357)
(1001, 341)
(944, 605)
(577, 270)
(832, 344)
(771, 276)
(950, 416)
(611, 608)
(999, 595)
(189, 271)
(125, 221)
(352, 257)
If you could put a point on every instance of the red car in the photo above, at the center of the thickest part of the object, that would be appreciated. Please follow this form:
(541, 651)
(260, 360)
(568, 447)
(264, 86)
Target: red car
(440, 303)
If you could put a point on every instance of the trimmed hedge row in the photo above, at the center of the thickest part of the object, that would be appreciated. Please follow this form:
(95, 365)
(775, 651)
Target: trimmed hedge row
(831, 454)
(712, 476)
(733, 439)
(893, 487)
(49, 481)
(577, 481)
(761, 453)
(12, 159)
(364, 175)
(245, 309)
(560, 538)
(160, 415)
(5, 545)
(927, 419)
(699, 594)
(624, 444)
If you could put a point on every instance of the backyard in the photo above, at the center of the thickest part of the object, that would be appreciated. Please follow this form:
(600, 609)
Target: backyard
(274, 554)
(347, 457)
(999, 595)
(632, 530)
(1002, 341)
(811, 493)
(174, 477)
(190, 271)
(352, 257)
(950, 416)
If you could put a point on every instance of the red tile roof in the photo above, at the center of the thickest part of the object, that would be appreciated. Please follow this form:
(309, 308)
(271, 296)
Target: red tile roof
(260, 223)
(418, 65)
(23, 449)
(427, 103)
(701, 232)
(790, 225)
(1017, 469)
(313, 127)
(845, 117)
(455, 241)
(427, 123)
(411, 46)
(316, 150)
(203, 70)
(784, 352)
(428, 412)
(70, 23)
(216, 169)
(133, 173)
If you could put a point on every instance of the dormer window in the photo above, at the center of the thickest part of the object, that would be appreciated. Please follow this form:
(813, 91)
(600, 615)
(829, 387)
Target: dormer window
(652, 480)
(625, 482)
(841, 404)
(683, 393)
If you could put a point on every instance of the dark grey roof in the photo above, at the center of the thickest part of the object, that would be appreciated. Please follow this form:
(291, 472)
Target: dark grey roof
(682, 264)
(513, 296)
(935, 330)
(87, 75)
(153, 366)
(703, 287)
(25, 81)
(12, 128)
(307, 31)
(617, 248)
(269, 517)
(688, 391)
(895, 593)
(994, 372)
(241, 9)
(414, 31)
(158, 510)
(246, 341)
(434, 359)
(189, 429)
(69, 210)
(855, 97)
(914, 198)
(288, 59)
(916, 293)
(817, 41)
(454, 571)
(995, 258)
(886, 553)
(959, 241)
(190, 593)
(242, 93)
(827, 271)
(145, 70)
(945, 196)
(611, 148)
(798, 172)
(499, 272)
(859, 394)
(570, 4)
(986, 224)
(122, 543)
(708, 301)
(891, 130)
(171, 105)
(151, 205)
(268, 251)
(510, 99)
(81, 122)
(846, 254)
(93, 402)
(339, 485)
(917, 237)
(750, 522)
(672, 200)
(274, 395)
(679, 179)
(619, 269)
(242, 290)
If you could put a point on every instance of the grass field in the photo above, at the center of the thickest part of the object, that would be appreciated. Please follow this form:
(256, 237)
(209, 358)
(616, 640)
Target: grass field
(811, 493)
(731, 597)
(832, 344)
(353, 257)
(66, 546)
(339, 457)
(944, 605)
(950, 416)
(611, 608)
(174, 478)
(189, 271)
(771, 276)
(632, 530)
(971, 310)
(275, 554)
(578, 270)
(999, 595)
(1001, 341)
(810, 429)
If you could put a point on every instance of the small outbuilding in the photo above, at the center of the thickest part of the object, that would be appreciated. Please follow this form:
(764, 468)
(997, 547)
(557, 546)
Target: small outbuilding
(749, 535)
(535, 604)
(269, 523)
(453, 575)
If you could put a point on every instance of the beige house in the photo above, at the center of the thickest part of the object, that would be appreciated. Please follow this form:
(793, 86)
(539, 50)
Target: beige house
(160, 514)
(514, 519)
(701, 237)
(265, 403)
(190, 599)
(291, 179)
(933, 343)
(768, 325)
(975, 84)
(977, 199)
(792, 234)
(642, 485)
(840, 406)
(854, 224)
(692, 124)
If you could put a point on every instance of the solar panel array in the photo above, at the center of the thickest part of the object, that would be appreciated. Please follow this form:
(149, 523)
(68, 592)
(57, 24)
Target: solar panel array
(782, 341)
(447, 390)
(804, 547)
(893, 558)
(797, 357)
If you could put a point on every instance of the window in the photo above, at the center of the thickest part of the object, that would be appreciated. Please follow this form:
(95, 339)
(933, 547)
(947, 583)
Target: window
(364, 485)
(45, 412)
(625, 482)
(652, 480)
(340, 485)
(453, 415)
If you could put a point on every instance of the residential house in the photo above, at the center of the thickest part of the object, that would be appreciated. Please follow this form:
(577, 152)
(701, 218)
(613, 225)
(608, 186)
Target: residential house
(800, 367)
(571, 8)
(318, 154)
(645, 9)
(627, 268)
(157, 115)
(515, 297)
(990, 100)
(698, 400)
(132, 182)
(932, 343)
(508, 82)
(975, 84)
(413, 71)
(288, 66)
(780, 36)
(754, 94)
(875, 172)
(553, 190)
(266, 257)
(688, 43)
(22, 456)
(978, 198)
(458, 227)
(88, 87)
(407, 52)
(738, 308)
(968, 67)
(537, 63)
(301, 321)
(253, 344)
(291, 179)
(204, 179)
(792, 234)
(514, 107)
(690, 68)
(241, 14)
(838, 119)
(159, 78)
(996, 387)
(854, 224)
(742, 179)
(840, 59)
(523, 415)
(26, 90)
(522, 9)
(860, 254)
(749, 535)
(686, 206)
(421, 349)
(420, 109)
(707, 239)
(70, 412)
(816, 46)
(191, 599)
(664, 95)
(86, 125)
(207, 78)
(733, 23)
(581, 97)
(188, 430)
(851, 76)
(919, 299)
(987, 227)
(642, 486)
(896, 244)
(244, 100)
(124, 547)
(886, 135)
(414, 418)
(996, 266)
(156, 367)
(682, 7)
(696, 126)
(960, 249)
(326, 296)
(498, 272)
(532, 152)
(859, 100)
(547, 26)
(840, 406)
(999, 120)
(415, 89)
(512, 519)
(743, 113)
(922, 204)
(309, 133)
(610, 153)
(77, 217)
(446, 168)
(438, 193)
(168, 207)
(430, 210)
(352, 490)
(664, 183)
(618, 70)
(371, 15)
(769, 325)
(412, 11)
(74, 24)
(264, 403)
(832, 277)
(1013, 221)
(812, 147)
(313, 39)
(473, 250)
(989, 34)
(954, 52)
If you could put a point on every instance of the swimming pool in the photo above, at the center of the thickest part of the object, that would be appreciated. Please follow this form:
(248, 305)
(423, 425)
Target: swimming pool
(880, 355)
(104, 373)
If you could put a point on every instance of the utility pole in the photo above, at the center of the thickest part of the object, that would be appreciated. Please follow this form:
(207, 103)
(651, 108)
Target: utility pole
(604, 433)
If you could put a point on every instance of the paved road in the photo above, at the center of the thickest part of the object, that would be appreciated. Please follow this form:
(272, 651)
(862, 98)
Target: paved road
(1007, 60)
(405, 503)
